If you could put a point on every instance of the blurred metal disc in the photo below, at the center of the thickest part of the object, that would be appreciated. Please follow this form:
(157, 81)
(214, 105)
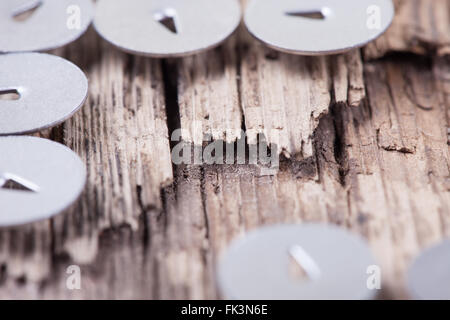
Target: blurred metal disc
(318, 27)
(48, 24)
(335, 263)
(49, 89)
(39, 178)
(429, 274)
(166, 28)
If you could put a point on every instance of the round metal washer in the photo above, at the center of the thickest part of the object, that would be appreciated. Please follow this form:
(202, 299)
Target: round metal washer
(137, 26)
(257, 267)
(53, 24)
(50, 91)
(338, 26)
(52, 173)
(429, 275)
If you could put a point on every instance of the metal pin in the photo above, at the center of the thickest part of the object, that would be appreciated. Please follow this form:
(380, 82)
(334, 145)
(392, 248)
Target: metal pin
(429, 274)
(335, 262)
(166, 28)
(318, 27)
(305, 261)
(39, 178)
(39, 25)
(47, 90)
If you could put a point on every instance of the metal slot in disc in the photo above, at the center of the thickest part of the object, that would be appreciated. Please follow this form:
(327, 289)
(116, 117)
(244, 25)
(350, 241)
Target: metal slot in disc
(44, 91)
(166, 28)
(39, 178)
(332, 264)
(40, 25)
(318, 27)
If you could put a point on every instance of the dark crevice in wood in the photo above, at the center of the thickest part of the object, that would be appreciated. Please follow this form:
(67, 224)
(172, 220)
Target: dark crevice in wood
(401, 57)
(316, 157)
(164, 193)
(409, 89)
(170, 82)
(53, 253)
(239, 57)
(203, 196)
(146, 237)
(3, 273)
(57, 133)
(21, 280)
(305, 169)
(170, 78)
(340, 153)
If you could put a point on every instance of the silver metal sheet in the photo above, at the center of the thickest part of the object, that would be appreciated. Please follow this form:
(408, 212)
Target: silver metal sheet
(53, 23)
(335, 262)
(137, 27)
(318, 27)
(52, 175)
(51, 90)
(429, 275)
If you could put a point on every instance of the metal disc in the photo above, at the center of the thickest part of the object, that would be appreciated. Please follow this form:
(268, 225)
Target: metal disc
(335, 261)
(49, 24)
(318, 27)
(49, 88)
(166, 28)
(429, 274)
(51, 178)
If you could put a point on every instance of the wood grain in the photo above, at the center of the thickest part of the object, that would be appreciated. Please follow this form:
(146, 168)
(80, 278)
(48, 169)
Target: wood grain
(145, 228)
(421, 27)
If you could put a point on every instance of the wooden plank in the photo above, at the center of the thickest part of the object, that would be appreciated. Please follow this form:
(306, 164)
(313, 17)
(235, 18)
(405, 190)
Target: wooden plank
(142, 230)
(121, 134)
(420, 26)
(208, 95)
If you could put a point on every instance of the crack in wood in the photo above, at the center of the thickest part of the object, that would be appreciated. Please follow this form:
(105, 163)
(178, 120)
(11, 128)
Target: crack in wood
(180, 219)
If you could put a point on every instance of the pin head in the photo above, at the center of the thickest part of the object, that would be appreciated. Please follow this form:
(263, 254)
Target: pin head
(41, 90)
(318, 27)
(333, 264)
(38, 179)
(166, 28)
(38, 25)
(429, 275)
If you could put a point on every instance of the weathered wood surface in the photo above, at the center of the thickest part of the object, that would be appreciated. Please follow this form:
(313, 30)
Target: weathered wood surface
(421, 27)
(363, 143)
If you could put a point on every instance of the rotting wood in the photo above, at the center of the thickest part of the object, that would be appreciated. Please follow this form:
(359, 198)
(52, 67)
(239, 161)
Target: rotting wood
(421, 27)
(284, 96)
(380, 170)
(208, 95)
